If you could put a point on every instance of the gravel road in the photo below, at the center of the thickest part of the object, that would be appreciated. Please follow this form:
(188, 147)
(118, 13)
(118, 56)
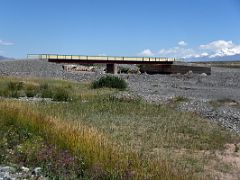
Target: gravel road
(201, 91)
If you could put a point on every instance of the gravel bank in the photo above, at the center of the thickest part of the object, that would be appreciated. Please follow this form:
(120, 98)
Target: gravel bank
(200, 90)
(37, 68)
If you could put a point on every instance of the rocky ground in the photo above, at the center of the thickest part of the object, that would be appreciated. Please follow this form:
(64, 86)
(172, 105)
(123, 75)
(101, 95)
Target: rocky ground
(12, 173)
(216, 97)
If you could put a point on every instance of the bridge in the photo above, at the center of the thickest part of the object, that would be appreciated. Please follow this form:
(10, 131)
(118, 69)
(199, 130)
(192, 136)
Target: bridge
(110, 61)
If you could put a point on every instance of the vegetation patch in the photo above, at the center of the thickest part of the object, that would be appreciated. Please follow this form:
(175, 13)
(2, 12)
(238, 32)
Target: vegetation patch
(61, 95)
(179, 99)
(21, 146)
(110, 82)
(14, 88)
(224, 101)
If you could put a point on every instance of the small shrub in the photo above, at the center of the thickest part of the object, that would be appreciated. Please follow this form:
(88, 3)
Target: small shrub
(30, 93)
(31, 90)
(13, 89)
(15, 86)
(46, 93)
(61, 95)
(4, 92)
(15, 94)
(224, 101)
(179, 99)
(44, 86)
(110, 82)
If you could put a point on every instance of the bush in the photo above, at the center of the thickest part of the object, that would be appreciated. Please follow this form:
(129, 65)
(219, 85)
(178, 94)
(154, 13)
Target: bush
(13, 89)
(31, 90)
(4, 92)
(61, 95)
(110, 82)
(46, 93)
(15, 86)
(30, 93)
(44, 86)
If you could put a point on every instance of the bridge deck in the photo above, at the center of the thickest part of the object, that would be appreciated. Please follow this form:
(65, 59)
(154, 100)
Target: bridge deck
(101, 59)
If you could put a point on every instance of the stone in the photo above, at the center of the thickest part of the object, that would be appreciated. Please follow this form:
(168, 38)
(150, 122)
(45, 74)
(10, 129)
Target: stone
(203, 74)
(37, 171)
(7, 169)
(25, 169)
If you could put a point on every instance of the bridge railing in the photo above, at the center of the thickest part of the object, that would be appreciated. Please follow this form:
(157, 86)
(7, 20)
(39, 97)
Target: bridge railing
(96, 58)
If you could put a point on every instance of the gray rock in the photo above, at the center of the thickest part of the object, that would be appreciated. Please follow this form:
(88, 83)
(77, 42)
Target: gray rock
(7, 169)
(203, 74)
(10, 173)
(37, 171)
(25, 169)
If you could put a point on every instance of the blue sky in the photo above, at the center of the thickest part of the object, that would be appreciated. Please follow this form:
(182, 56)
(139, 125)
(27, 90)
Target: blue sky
(180, 28)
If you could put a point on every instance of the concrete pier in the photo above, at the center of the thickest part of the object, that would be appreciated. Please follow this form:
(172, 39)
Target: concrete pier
(111, 68)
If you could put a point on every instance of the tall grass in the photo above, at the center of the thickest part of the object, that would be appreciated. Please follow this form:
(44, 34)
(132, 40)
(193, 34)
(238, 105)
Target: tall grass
(97, 150)
(15, 89)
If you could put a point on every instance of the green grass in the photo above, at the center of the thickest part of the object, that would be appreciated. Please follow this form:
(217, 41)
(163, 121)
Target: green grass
(134, 121)
(15, 88)
(117, 137)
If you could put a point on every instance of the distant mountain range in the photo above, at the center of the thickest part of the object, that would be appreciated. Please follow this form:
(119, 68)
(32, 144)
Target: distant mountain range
(224, 58)
(2, 58)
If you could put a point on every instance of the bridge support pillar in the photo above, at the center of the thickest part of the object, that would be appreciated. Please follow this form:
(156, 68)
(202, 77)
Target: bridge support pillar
(111, 68)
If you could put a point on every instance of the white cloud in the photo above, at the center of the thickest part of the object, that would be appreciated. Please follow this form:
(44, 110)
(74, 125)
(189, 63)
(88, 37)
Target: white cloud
(213, 49)
(5, 43)
(169, 51)
(102, 54)
(204, 54)
(182, 43)
(221, 48)
(217, 45)
(178, 52)
(146, 52)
